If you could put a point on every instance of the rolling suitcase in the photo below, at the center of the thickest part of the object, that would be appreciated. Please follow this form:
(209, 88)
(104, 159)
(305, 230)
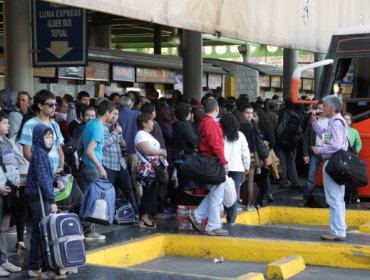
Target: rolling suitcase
(62, 241)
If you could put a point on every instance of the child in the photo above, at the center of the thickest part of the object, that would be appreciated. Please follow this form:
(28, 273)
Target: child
(40, 175)
(9, 177)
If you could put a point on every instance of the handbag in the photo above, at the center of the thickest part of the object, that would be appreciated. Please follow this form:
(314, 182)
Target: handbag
(348, 169)
(261, 147)
(203, 169)
(161, 171)
(229, 192)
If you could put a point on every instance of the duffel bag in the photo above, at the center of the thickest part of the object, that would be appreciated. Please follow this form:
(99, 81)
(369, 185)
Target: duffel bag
(348, 169)
(203, 169)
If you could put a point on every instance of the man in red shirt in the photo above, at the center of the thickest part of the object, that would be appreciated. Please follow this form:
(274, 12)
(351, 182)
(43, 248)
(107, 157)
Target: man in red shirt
(211, 144)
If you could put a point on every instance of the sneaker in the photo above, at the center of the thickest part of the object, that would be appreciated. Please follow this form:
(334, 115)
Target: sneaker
(3, 272)
(11, 230)
(91, 234)
(218, 232)
(52, 275)
(34, 273)
(10, 267)
(194, 222)
(251, 208)
(332, 237)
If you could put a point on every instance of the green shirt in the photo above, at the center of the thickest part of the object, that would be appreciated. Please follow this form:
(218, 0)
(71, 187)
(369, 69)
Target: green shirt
(354, 140)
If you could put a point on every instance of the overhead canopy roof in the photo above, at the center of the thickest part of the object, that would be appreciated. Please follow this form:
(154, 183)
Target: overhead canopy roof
(147, 60)
(261, 68)
(305, 24)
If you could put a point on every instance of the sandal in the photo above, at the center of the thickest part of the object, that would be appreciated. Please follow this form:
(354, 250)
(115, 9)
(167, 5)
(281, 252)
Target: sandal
(144, 224)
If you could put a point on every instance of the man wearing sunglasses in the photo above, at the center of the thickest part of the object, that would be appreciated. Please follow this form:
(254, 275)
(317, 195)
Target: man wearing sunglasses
(44, 106)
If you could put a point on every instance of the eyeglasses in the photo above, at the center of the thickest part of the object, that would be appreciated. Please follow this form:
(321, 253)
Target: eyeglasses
(51, 105)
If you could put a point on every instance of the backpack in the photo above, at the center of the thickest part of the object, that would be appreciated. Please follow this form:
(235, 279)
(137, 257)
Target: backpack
(70, 197)
(124, 214)
(71, 157)
(98, 202)
(288, 131)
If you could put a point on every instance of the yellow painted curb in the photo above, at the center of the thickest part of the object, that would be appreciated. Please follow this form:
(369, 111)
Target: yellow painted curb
(298, 215)
(364, 228)
(130, 253)
(286, 267)
(251, 276)
(232, 249)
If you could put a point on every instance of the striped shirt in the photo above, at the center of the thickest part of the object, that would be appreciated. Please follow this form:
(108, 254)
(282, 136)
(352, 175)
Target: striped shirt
(112, 156)
(26, 139)
(334, 136)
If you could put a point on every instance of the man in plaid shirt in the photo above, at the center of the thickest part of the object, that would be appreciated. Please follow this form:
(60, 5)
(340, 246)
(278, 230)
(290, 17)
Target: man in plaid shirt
(113, 160)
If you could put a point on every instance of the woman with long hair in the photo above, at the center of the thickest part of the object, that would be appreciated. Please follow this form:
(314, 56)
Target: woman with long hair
(262, 178)
(237, 154)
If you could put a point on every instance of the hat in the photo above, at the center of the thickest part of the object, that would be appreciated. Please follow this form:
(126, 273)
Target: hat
(273, 103)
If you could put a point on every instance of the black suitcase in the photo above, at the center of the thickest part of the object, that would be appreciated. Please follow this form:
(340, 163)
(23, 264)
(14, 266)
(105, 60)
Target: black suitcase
(62, 241)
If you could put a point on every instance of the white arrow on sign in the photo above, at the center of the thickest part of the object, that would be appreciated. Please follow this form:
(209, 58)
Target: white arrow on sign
(59, 48)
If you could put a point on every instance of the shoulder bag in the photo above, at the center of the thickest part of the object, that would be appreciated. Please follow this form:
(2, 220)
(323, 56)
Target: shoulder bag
(203, 169)
(348, 169)
(261, 147)
(160, 168)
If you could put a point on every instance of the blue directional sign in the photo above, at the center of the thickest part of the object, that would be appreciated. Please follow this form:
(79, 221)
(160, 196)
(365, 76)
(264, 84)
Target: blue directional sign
(59, 35)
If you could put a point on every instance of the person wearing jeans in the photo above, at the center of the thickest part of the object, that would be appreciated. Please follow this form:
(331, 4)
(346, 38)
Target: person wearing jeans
(237, 154)
(92, 159)
(312, 139)
(313, 167)
(114, 163)
(334, 138)
(232, 211)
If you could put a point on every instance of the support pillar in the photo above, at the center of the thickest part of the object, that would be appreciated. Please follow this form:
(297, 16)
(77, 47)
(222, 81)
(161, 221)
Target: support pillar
(290, 61)
(17, 45)
(192, 64)
(318, 73)
(100, 36)
(157, 39)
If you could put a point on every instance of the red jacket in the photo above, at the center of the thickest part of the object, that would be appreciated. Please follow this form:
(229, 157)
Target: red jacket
(211, 139)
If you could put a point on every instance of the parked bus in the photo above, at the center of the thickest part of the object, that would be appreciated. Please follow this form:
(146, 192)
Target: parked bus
(346, 72)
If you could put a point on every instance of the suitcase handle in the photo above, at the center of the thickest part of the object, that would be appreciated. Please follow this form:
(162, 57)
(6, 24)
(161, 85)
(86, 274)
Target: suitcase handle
(41, 201)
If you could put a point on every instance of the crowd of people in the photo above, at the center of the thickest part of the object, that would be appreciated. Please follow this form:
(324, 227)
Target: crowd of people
(140, 142)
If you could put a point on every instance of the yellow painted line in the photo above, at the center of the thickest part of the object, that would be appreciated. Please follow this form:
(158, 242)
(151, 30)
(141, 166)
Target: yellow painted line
(365, 228)
(251, 276)
(297, 215)
(130, 253)
(232, 249)
(286, 267)
(265, 250)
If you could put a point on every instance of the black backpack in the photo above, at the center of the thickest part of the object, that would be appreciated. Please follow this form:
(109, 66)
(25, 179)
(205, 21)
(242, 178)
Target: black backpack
(288, 131)
(71, 151)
